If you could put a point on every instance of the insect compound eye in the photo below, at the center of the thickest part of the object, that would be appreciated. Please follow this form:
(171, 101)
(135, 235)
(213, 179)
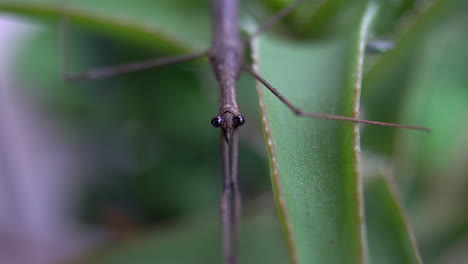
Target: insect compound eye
(238, 120)
(217, 121)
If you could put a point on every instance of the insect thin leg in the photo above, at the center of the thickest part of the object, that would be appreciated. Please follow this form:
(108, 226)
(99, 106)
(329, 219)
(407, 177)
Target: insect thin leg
(236, 198)
(300, 112)
(106, 72)
(226, 204)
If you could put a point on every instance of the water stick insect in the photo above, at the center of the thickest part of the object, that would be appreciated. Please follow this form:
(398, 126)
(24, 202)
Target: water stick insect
(226, 56)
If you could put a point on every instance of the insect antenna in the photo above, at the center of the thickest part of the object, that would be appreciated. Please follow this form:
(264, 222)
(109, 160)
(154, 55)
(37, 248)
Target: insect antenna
(236, 197)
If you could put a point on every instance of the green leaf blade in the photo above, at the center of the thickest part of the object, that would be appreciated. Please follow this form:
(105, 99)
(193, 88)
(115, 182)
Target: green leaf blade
(307, 154)
(314, 163)
(389, 235)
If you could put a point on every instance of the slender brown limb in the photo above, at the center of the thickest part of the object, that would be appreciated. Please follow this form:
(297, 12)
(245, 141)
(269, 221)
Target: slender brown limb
(275, 19)
(236, 198)
(300, 112)
(106, 72)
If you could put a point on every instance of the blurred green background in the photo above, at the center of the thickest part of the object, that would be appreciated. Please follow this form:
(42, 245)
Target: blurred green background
(147, 158)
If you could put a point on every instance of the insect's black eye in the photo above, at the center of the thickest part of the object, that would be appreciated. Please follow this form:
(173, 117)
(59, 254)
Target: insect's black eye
(238, 120)
(217, 121)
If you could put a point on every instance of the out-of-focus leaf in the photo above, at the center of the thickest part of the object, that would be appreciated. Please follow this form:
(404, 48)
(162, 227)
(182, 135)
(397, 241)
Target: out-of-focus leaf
(197, 243)
(313, 163)
(389, 237)
(432, 169)
(316, 18)
(411, 31)
(391, 13)
(162, 24)
(384, 82)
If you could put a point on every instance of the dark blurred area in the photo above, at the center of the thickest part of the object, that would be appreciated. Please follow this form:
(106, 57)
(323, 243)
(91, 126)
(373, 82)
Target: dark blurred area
(128, 168)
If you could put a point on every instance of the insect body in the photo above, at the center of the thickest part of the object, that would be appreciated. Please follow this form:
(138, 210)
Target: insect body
(226, 58)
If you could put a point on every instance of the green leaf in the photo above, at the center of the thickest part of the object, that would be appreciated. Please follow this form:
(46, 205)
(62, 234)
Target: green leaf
(131, 23)
(313, 163)
(388, 232)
